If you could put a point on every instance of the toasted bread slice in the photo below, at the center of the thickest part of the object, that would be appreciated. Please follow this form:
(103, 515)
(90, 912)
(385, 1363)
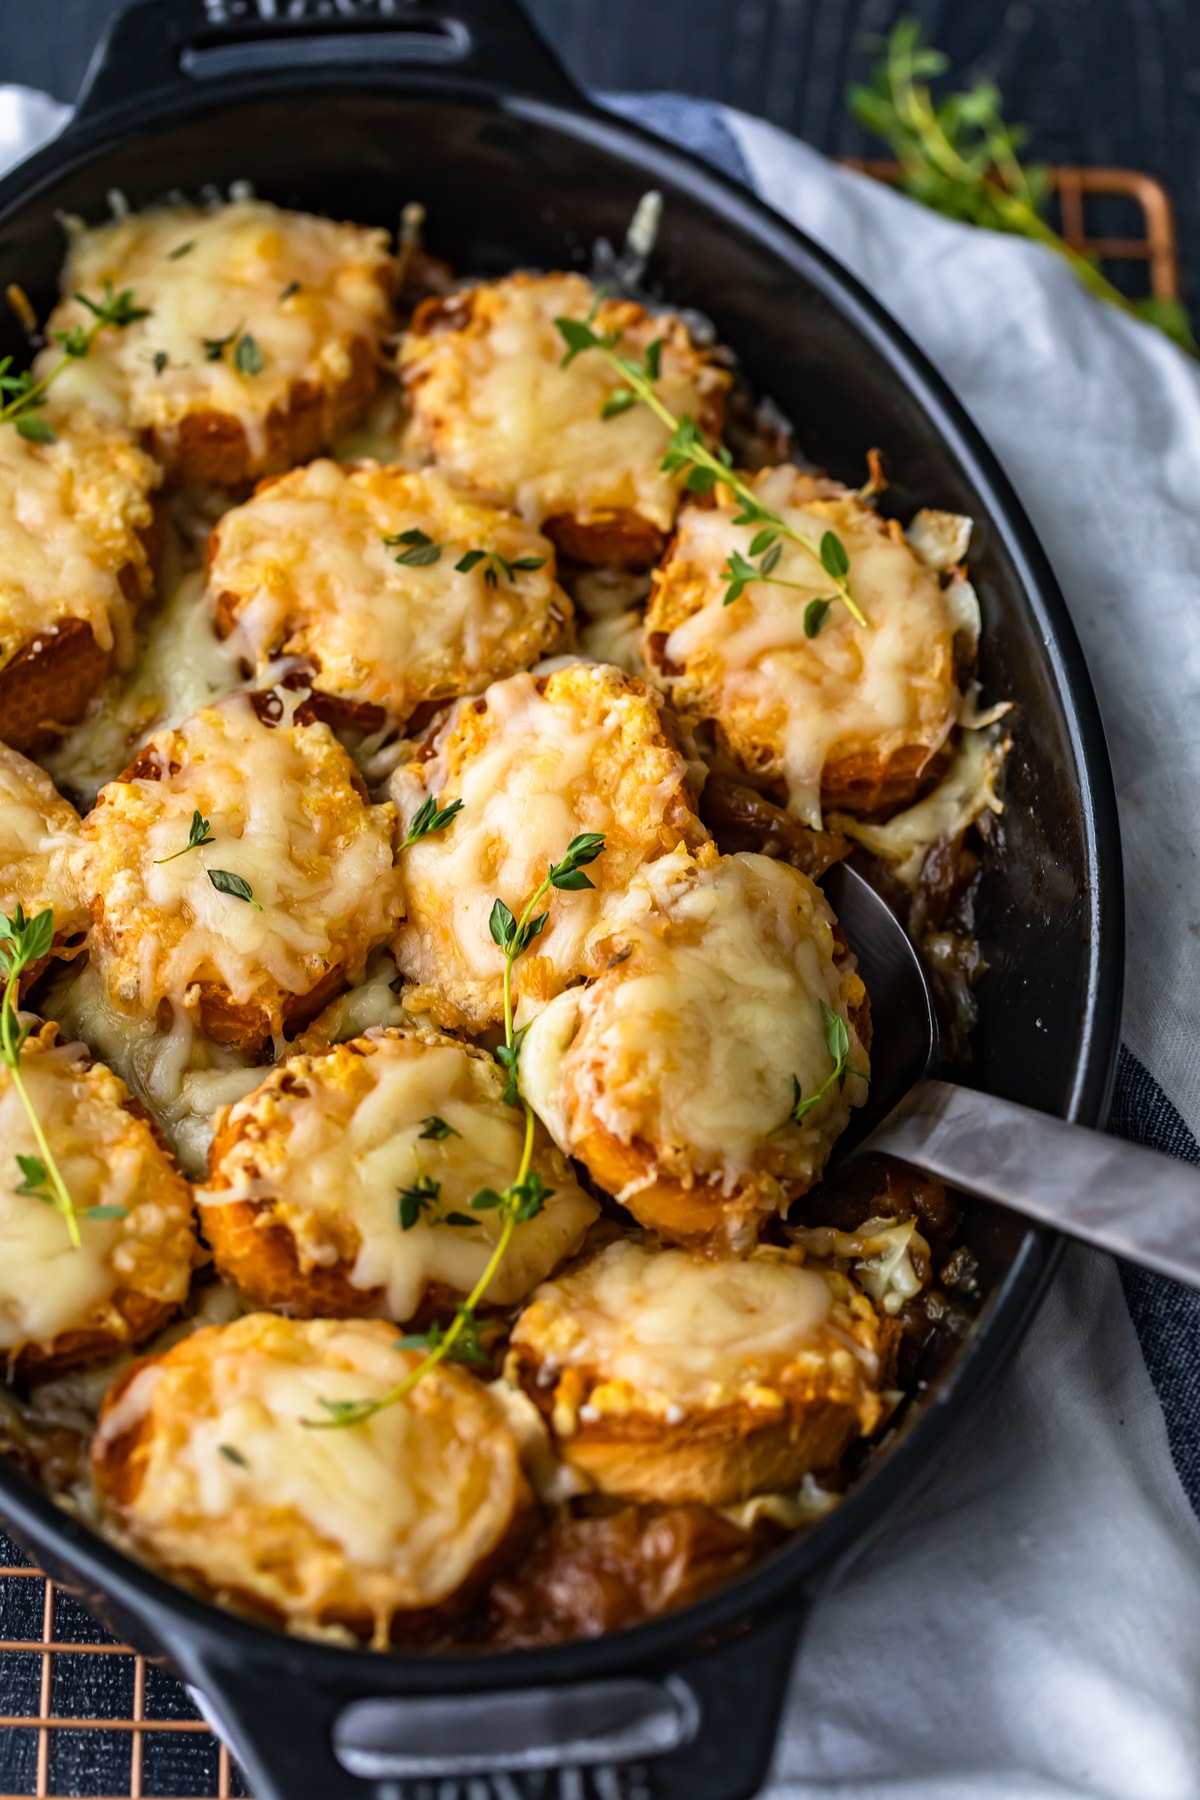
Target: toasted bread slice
(674, 1076)
(79, 544)
(261, 339)
(389, 590)
(536, 761)
(343, 1185)
(250, 933)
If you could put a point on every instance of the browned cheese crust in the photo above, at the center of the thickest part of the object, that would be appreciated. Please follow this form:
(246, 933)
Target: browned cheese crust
(303, 1206)
(352, 573)
(310, 297)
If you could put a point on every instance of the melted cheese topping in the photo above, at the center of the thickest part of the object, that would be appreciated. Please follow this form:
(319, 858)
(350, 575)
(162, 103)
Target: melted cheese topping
(665, 1329)
(535, 763)
(789, 705)
(361, 1524)
(309, 569)
(686, 1048)
(107, 1158)
(331, 1141)
(179, 666)
(285, 817)
(493, 404)
(229, 283)
(963, 795)
(39, 831)
(73, 518)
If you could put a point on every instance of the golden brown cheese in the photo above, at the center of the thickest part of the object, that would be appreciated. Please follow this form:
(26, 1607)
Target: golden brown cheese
(77, 530)
(854, 717)
(314, 569)
(671, 1076)
(60, 1305)
(309, 295)
(668, 1377)
(303, 1202)
(206, 1458)
(39, 834)
(257, 928)
(536, 761)
(493, 405)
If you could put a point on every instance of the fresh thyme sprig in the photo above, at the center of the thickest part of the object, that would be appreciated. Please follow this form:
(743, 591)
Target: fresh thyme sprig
(958, 156)
(199, 834)
(22, 395)
(428, 818)
(236, 886)
(702, 468)
(837, 1040)
(421, 552)
(524, 1197)
(24, 942)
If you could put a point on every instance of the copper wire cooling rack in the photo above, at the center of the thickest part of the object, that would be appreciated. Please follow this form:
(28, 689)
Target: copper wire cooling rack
(77, 1709)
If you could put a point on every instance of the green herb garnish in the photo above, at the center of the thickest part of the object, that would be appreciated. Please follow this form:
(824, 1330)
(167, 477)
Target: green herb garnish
(247, 357)
(24, 942)
(837, 1041)
(436, 1128)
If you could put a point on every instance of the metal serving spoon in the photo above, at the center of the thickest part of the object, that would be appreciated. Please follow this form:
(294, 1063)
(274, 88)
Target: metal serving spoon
(1101, 1190)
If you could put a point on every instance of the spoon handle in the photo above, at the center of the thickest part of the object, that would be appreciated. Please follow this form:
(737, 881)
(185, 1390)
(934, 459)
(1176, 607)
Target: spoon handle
(1117, 1196)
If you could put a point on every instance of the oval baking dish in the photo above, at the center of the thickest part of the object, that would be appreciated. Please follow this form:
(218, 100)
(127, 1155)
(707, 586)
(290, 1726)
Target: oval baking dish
(351, 111)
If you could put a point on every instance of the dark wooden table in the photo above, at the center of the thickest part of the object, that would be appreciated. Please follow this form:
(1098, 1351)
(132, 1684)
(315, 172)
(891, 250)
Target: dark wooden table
(1097, 81)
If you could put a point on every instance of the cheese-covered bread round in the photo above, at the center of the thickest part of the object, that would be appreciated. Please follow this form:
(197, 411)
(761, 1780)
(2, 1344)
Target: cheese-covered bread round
(536, 761)
(261, 337)
(208, 1460)
(78, 541)
(853, 716)
(61, 1305)
(39, 836)
(670, 1377)
(238, 872)
(388, 589)
(494, 405)
(343, 1185)
(675, 1075)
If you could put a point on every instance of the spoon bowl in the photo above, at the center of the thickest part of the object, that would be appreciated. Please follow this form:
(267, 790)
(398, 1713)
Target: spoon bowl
(1116, 1196)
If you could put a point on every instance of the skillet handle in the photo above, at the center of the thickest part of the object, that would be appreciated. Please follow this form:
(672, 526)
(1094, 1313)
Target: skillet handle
(705, 1731)
(156, 46)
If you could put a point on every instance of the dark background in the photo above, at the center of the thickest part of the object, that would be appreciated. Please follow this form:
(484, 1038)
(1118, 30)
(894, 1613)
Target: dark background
(1098, 81)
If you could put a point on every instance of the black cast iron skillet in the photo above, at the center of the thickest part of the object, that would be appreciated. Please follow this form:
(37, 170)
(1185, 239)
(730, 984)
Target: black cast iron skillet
(353, 109)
